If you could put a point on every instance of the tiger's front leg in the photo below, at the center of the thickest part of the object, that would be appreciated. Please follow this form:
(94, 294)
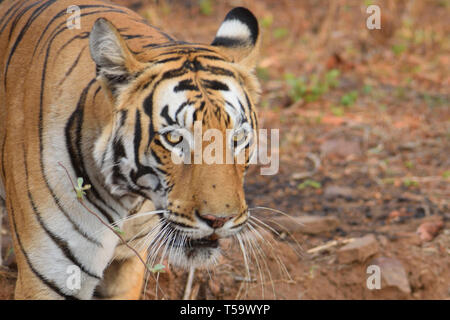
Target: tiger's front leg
(123, 279)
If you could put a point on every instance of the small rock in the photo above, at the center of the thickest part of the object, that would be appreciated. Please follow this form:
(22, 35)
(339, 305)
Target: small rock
(427, 231)
(331, 192)
(384, 241)
(358, 250)
(393, 275)
(304, 224)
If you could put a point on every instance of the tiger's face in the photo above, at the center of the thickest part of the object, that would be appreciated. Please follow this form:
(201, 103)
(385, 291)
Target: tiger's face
(183, 132)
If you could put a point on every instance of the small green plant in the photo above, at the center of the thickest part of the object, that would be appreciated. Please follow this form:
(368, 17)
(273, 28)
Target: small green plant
(206, 7)
(266, 21)
(398, 49)
(332, 78)
(382, 107)
(80, 189)
(116, 229)
(367, 89)
(349, 99)
(309, 184)
(312, 88)
(158, 268)
(280, 33)
(410, 183)
(446, 174)
(337, 111)
(409, 164)
(388, 181)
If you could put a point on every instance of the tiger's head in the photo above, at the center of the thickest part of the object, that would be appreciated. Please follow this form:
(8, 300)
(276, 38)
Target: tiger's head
(160, 97)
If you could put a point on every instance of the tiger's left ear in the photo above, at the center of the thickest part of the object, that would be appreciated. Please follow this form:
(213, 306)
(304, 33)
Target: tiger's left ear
(115, 63)
(239, 38)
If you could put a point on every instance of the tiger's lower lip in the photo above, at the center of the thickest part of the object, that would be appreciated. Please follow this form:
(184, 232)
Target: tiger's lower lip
(203, 243)
(207, 242)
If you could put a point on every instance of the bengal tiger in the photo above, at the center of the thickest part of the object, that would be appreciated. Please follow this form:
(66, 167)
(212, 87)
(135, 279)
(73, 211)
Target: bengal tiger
(110, 100)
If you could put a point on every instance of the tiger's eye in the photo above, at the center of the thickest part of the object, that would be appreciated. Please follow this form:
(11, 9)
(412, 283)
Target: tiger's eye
(173, 138)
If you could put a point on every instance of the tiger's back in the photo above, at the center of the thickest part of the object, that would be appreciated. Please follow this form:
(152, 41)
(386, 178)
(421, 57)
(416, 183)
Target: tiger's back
(61, 110)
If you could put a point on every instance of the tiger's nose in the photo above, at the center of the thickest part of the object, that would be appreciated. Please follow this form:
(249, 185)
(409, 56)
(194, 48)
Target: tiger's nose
(215, 221)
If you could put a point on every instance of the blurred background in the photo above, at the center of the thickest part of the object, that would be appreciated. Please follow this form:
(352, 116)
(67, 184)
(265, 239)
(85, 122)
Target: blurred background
(364, 151)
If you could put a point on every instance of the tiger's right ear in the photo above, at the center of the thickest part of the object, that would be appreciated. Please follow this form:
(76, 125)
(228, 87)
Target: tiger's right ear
(115, 63)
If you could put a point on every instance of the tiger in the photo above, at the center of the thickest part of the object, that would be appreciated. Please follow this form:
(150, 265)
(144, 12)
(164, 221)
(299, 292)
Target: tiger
(91, 90)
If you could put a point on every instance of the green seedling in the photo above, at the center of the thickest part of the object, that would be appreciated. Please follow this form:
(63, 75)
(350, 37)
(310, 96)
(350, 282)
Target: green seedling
(158, 268)
(409, 164)
(116, 229)
(337, 111)
(349, 99)
(80, 189)
(206, 7)
(312, 88)
(309, 183)
(280, 33)
(267, 21)
(410, 183)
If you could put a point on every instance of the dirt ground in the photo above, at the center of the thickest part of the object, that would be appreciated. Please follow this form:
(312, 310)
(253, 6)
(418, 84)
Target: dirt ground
(364, 137)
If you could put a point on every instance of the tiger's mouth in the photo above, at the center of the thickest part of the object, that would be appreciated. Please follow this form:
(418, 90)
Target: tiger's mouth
(207, 242)
(186, 252)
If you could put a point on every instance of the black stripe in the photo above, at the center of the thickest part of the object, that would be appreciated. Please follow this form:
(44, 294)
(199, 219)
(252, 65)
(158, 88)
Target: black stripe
(61, 243)
(215, 85)
(74, 145)
(75, 63)
(181, 107)
(41, 147)
(242, 107)
(20, 15)
(168, 60)
(157, 158)
(80, 36)
(11, 16)
(81, 171)
(211, 57)
(118, 153)
(184, 85)
(64, 12)
(165, 114)
(33, 17)
(3, 155)
(137, 137)
(57, 30)
(218, 71)
(141, 169)
(148, 109)
(46, 281)
(229, 42)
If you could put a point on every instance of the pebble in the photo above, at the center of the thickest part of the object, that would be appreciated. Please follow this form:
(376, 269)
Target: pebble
(358, 250)
(427, 231)
(393, 275)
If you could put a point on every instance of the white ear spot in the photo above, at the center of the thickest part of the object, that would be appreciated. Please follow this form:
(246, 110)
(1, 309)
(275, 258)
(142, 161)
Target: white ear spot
(234, 29)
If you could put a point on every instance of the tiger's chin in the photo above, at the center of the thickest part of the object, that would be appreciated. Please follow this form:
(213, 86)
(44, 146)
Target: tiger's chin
(199, 253)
